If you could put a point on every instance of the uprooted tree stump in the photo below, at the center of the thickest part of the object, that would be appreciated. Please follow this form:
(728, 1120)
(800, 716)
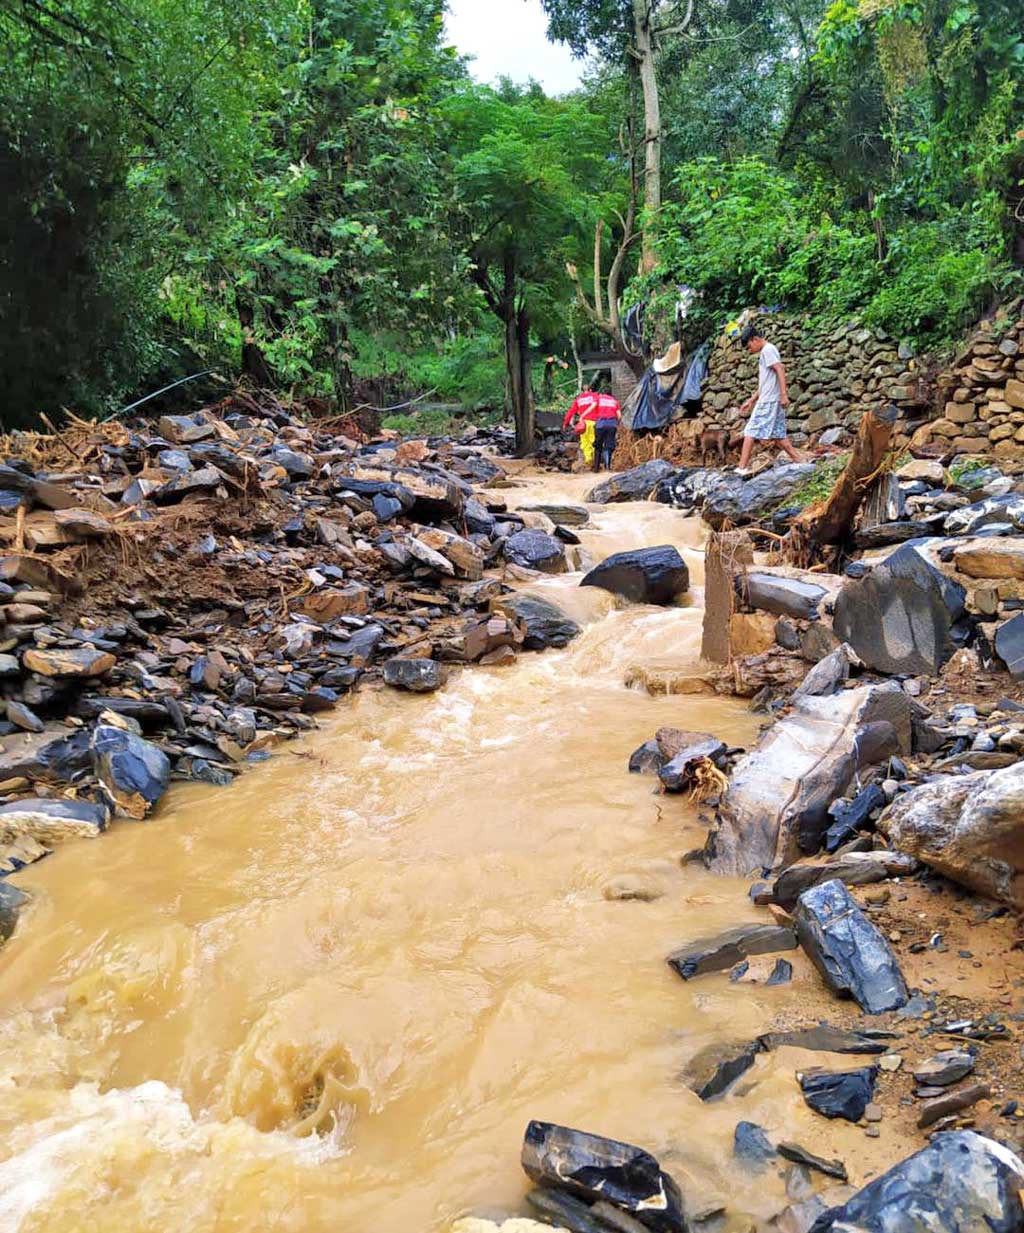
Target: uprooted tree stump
(826, 525)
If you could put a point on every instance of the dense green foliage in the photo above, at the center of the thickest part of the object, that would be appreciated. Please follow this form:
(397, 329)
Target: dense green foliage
(316, 194)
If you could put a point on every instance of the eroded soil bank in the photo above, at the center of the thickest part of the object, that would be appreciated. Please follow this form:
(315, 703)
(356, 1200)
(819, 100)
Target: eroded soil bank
(332, 997)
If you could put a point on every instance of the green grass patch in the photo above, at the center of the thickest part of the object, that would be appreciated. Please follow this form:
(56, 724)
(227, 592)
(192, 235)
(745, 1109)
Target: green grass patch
(818, 487)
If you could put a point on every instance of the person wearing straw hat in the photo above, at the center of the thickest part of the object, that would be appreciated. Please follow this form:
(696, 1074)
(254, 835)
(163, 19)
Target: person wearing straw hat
(768, 421)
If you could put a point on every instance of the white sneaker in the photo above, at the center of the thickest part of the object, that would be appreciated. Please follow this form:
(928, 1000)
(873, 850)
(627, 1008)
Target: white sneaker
(742, 471)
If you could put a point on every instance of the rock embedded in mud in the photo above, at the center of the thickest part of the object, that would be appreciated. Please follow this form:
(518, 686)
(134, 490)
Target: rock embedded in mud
(643, 576)
(827, 676)
(546, 625)
(12, 900)
(776, 808)
(823, 1038)
(968, 827)
(853, 869)
(839, 1094)
(635, 485)
(536, 550)
(944, 1068)
(899, 618)
(961, 1183)
(711, 1072)
(679, 772)
(52, 821)
(752, 1145)
(799, 1155)
(853, 957)
(61, 662)
(739, 501)
(597, 1169)
(418, 676)
(133, 772)
(725, 950)
(954, 1101)
(1010, 645)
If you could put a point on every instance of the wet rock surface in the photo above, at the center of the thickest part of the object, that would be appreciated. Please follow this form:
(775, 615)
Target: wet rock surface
(840, 1093)
(645, 576)
(635, 485)
(719, 953)
(545, 624)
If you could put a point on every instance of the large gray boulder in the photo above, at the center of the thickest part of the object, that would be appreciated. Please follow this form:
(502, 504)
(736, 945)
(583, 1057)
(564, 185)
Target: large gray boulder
(967, 827)
(133, 772)
(536, 550)
(739, 501)
(52, 821)
(546, 625)
(898, 619)
(596, 1169)
(635, 485)
(960, 1183)
(776, 808)
(854, 959)
(643, 576)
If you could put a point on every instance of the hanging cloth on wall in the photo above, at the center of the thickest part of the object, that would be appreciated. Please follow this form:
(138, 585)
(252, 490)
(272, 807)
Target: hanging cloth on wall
(670, 390)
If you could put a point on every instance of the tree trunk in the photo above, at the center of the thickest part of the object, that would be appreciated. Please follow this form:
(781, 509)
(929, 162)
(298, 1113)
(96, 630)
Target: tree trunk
(648, 70)
(830, 523)
(254, 362)
(517, 365)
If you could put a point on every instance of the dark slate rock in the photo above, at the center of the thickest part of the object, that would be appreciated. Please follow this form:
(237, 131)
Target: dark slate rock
(12, 900)
(900, 617)
(739, 501)
(536, 550)
(711, 1072)
(647, 758)
(850, 816)
(373, 488)
(944, 1068)
(297, 466)
(53, 819)
(385, 508)
(23, 717)
(677, 774)
(132, 772)
(725, 950)
(801, 1156)
(635, 485)
(787, 635)
(853, 958)
(961, 1182)
(1010, 645)
(174, 460)
(827, 676)
(418, 676)
(892, 533)
(782, 973)
(783, 596)
(1004, 510)
(145, 711)
(751, 1145)
(593, 1168)
(827, 1039)
(644, 576)
(839, 1093)
(546, 625)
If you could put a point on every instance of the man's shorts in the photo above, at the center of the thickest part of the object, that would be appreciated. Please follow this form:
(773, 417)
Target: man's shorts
(768, 422)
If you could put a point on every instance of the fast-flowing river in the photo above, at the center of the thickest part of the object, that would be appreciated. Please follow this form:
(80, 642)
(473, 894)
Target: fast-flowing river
(329, 999)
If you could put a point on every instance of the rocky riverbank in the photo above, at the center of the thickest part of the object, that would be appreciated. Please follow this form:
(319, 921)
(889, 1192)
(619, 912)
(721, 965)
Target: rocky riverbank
(179, 597)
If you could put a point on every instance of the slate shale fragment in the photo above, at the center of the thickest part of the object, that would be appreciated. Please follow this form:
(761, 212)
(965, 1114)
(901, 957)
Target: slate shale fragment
(132, 772)
(643, 576)
(52, 821)
(596, 1169)
(725, 950)
(839, 1094)
(960, 1183)
(853, 958)
(546, 625)
(12, 900)
(418, 676)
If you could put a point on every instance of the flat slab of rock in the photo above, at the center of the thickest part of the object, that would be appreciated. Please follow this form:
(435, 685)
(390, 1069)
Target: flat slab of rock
(725, 950)
(546, 625)
(738, 500)
(783, 596)
(1010, 645)
(853, 869)
(597, 1169)
(934, 1110)
(677, 773)
(52, 821)
(823, 1038)
(560, 515)
(536, 550)
(960, 1183)
(61, 662)
(968, 827)
(417, 676)
(991, 558)
(944, 1068)
(776, 808)
(635, 485)
(133, 772)
(853, 957)
(898, 619)
(644, 576)
(839, 1093)
(711, 1072)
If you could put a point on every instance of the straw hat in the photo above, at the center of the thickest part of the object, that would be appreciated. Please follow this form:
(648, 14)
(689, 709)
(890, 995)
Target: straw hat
(671, 360)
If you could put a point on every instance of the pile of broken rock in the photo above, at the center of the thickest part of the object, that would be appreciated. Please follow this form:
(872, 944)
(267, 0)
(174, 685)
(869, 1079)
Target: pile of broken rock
(176, 597)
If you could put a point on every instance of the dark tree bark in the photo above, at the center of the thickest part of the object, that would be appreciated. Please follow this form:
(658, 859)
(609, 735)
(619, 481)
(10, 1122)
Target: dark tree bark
(512, 311)
(254, 362)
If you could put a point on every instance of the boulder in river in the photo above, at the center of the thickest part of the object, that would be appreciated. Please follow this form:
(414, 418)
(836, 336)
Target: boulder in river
(677, 773)
(52, 821)
(967, 827)
(738, 500)
(417, 676)
(12, 900)
(726, 949)
(839, 1093)
(899, 618)
(643, 576)
(132, 772)
(776, 808)
(852, 956)
(961, 1182)
(546, 625)
(536, 550)
(711, 1072)
(635, 485)
(596, 1169)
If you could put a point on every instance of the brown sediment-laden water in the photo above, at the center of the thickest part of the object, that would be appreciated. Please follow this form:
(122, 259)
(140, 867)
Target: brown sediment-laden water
(332, 997)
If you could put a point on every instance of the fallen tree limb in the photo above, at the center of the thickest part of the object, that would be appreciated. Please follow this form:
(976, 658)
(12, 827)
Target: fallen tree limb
(827, 524)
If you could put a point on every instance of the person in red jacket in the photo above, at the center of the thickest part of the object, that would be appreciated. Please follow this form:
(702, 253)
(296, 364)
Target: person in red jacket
(606, 430)
(585, 402)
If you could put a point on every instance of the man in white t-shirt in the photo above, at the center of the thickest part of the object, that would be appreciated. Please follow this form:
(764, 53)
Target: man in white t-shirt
(768, 422)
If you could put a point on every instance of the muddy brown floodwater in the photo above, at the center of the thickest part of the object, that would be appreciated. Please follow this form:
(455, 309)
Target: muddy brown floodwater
(329, 999)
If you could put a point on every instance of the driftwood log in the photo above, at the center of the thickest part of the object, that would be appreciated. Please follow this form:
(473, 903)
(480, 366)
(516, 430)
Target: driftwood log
(828, 524)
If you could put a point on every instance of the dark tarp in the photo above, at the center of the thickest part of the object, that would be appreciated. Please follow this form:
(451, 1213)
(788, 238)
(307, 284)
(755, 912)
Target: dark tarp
(661, 400)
